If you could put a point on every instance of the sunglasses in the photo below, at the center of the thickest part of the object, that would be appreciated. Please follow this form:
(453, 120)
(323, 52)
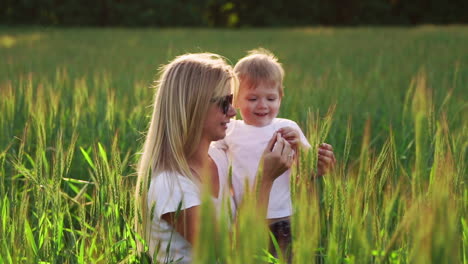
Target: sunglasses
(224, 102)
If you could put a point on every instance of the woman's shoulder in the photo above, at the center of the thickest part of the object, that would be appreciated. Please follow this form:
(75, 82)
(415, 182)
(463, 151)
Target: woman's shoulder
(164, 178)
(168, 189)
(168, 180)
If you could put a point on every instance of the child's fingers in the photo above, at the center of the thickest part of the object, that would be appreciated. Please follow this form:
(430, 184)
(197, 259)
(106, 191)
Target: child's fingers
(327, 150)
(325, 160)
(292, 135)
(327, 153)
(287, 131)
(287, 135)
(292, 138)
(293, 141)
(326, 146)
(320, 164)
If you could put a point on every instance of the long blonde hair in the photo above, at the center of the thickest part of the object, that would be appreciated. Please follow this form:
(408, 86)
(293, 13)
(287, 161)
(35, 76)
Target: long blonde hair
(184, 91)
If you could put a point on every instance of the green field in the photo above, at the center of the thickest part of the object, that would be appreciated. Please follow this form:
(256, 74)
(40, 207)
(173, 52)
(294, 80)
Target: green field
(75, 104)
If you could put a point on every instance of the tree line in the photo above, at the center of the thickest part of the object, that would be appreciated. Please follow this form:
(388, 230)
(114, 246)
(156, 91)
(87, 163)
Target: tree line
(232, 13)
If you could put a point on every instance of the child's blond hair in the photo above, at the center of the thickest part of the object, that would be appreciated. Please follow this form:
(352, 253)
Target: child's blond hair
(260, 65)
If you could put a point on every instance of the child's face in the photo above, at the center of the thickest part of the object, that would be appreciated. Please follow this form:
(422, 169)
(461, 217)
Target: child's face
(258, 106)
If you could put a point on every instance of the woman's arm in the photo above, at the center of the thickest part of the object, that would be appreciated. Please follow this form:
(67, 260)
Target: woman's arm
(185, 222)
(277, 158)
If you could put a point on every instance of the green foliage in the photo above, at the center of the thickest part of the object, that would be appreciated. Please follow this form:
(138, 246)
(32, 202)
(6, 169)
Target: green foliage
(392, 102)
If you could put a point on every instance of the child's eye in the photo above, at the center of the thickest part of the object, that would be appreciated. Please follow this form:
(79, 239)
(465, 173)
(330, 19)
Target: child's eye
(271, 99)
(251, 99)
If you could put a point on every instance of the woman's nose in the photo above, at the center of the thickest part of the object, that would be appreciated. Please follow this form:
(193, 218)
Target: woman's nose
(231, 112)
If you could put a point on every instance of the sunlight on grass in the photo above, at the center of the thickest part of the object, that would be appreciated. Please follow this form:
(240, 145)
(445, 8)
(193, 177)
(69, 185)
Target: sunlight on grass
(70, 138)
(8, 41)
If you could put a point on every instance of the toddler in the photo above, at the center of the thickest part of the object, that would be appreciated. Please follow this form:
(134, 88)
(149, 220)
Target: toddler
(259, 99)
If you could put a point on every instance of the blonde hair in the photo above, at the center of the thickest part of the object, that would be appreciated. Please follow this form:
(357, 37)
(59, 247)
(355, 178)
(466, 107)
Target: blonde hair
(184, 91)
(260, 65)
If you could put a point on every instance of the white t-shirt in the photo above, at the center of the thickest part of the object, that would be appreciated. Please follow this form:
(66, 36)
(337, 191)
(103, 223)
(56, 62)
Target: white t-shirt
(245, 145)
(167, 192)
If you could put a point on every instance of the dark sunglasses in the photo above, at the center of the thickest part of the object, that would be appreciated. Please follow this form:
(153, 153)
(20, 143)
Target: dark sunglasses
(224, 102)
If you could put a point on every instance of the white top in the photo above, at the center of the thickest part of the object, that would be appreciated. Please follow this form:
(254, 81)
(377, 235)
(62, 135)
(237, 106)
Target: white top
(245, 145)
(167, 192)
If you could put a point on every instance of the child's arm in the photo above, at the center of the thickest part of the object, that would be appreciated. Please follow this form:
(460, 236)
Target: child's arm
(326, 157)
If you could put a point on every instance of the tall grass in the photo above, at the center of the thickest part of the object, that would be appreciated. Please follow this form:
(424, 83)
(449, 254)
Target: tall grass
(391, 101)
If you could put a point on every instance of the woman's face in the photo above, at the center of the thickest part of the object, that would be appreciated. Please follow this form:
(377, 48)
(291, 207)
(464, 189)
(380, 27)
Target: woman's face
(216, 121)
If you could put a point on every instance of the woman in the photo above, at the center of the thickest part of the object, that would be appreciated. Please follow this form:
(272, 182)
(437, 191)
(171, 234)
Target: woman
(191, 109)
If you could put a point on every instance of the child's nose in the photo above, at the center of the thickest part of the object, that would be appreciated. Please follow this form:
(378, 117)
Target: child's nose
(261, 103)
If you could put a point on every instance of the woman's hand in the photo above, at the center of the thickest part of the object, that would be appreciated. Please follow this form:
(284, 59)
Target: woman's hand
(277, 158)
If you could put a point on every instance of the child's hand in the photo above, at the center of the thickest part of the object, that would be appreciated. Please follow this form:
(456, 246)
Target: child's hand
(291, 135)
(326, 159)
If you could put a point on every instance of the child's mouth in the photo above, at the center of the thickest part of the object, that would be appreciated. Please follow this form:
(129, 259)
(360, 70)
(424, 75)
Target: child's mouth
(261, 114)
